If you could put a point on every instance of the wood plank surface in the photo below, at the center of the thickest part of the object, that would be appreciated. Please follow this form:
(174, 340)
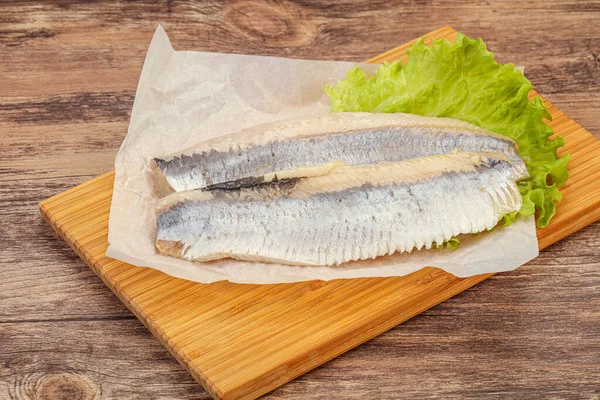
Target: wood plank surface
(67, 72)
(241, 341)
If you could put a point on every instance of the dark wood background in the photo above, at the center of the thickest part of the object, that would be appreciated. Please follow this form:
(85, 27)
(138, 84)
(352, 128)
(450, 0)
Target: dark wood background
(68, 73)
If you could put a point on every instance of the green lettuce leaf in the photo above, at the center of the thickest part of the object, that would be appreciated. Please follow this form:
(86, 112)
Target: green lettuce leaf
(452, 244)
(462, 80)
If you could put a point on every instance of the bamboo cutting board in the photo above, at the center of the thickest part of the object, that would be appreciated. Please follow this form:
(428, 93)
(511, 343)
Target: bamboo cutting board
(241, 341)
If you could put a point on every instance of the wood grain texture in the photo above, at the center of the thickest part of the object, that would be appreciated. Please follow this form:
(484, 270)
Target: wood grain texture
(241, 341)
(525, 334)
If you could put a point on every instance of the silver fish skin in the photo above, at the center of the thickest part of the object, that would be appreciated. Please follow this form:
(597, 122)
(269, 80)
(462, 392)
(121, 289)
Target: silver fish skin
(279, 150)
(352, 213)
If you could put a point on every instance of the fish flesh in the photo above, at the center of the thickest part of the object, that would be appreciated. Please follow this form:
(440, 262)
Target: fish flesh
(351, 213)
(303, 146)
(312, 146)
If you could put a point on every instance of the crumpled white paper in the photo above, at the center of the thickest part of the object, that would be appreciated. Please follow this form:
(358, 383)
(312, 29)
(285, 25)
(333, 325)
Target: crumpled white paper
(185, 96)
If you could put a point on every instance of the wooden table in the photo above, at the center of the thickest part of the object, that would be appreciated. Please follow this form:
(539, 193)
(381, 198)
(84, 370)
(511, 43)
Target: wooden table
(68, 73)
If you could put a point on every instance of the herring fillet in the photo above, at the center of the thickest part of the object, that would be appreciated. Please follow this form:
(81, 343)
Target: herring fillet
(307, 147)
(352, 213)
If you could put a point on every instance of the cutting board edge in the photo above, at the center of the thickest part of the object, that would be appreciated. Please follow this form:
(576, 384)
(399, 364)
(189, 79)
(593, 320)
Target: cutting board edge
(91, 262)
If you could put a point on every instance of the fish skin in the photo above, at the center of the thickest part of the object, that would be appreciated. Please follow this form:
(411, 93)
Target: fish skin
(280, 149)
(352, 213)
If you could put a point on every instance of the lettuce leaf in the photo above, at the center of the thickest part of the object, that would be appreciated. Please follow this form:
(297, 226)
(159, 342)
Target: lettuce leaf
(462, 80)
(451, 244)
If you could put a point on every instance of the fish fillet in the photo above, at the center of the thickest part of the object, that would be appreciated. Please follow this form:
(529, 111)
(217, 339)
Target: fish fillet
(311, 147)
(351, 213)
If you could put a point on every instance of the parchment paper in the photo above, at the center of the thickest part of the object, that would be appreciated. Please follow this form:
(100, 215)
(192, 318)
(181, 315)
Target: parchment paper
(184, 97)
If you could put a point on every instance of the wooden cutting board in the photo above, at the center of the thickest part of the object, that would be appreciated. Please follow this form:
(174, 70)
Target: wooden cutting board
(241, 341)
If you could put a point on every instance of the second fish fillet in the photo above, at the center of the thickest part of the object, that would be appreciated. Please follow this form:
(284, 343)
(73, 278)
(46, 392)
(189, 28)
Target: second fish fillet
(351, 213)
